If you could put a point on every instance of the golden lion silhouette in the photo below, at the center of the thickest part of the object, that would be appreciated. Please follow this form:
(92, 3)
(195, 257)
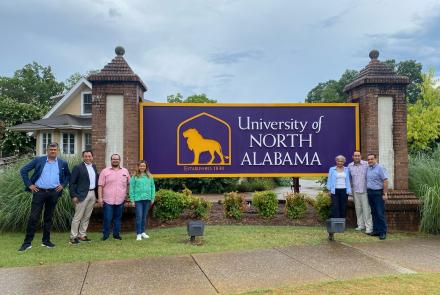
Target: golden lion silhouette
(197, 144)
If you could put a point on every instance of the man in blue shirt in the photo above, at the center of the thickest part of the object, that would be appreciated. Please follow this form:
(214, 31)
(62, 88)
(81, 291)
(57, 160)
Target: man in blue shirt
(50, 176)
(377, 190)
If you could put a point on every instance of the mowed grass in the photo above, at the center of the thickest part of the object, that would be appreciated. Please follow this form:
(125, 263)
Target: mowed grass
(169, 241)
(424, 283)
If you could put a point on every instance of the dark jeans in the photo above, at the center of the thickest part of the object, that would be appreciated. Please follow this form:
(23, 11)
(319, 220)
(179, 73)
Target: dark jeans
(377, 205)
(339, 203)
(40, 200)
(112, 212)
(142, 208)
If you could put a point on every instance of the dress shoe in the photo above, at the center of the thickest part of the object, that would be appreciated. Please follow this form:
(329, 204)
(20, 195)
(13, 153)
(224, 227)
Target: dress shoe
(373, 234)
(84, 239)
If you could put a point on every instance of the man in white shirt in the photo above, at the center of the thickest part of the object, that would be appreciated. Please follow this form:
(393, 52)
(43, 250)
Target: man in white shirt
(83, 190)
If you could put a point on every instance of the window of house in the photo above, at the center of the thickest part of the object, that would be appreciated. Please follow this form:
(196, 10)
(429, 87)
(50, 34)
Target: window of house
(46, 138)
(87, 103)
(87, 141)
(68, 143)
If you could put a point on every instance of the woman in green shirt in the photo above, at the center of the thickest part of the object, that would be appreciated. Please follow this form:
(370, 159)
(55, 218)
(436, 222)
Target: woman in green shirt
(142, 192)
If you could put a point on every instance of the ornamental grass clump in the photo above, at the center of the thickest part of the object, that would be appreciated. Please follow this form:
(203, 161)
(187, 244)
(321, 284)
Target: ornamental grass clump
(266, 203)
(234, 205)
(15, 203)
(296, 205)
(424, 181)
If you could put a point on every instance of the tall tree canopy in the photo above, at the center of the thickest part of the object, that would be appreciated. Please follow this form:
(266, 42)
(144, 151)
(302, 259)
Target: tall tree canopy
(413, 70)
(197, 98)
(33, 84)
(424, 115)
(332, 90)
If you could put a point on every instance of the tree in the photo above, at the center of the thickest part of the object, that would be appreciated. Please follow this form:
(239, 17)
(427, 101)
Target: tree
(72, 80)
(197, 98)
(332, 90)
(33, 84)
(413, 70)
(13, 113)
(423, 120)
(75, 77)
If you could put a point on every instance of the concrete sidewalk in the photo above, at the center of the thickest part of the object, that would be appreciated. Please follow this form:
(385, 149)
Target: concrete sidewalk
(215, 273)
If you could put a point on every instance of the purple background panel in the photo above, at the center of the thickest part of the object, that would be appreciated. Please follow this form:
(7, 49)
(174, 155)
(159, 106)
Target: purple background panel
(337, 136)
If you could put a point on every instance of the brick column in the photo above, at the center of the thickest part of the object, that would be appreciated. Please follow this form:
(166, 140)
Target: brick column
(116, 79)
(375, 88)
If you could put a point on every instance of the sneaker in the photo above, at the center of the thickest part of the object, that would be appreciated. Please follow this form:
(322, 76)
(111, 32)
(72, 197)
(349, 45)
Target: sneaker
(138, 237)
(74, 241)
(104, 238)
(84, 239)
(382, 236)
(24, 248)
(48, 244)
(331, 236)
(118, 237)
(360, 228)
(145, 236)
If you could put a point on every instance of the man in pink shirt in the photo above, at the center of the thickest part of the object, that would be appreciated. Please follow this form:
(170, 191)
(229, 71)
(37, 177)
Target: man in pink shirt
(112, 192)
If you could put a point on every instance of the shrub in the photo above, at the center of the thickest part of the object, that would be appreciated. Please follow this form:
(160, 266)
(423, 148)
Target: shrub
(169, 205)
(322, 205)
(198, 185)
(253, 184)
(296, 205)
(15, 203)
(283, 181)
(266, 203)
(234, 205)
(198, 207)
(311, 201)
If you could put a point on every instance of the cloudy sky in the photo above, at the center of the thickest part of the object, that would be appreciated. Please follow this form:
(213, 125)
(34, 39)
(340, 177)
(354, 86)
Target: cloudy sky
(232, 50)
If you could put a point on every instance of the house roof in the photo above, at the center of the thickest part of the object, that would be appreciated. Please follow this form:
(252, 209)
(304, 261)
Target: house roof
(65, 121)
(117, 70)
(67, 96)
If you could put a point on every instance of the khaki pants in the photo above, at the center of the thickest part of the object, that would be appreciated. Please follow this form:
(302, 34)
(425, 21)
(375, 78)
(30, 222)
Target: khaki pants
(80, 220)
(363, 211)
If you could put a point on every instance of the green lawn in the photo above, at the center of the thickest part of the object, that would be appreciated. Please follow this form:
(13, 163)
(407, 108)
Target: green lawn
(169, 241)
(425, 283)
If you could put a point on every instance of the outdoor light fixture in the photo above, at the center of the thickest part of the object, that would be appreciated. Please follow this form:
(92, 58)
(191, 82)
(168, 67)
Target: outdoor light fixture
(335, 225)
(195, 229)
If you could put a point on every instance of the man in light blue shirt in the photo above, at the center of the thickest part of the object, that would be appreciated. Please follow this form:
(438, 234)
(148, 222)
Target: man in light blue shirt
(50, 177)
(377, 190)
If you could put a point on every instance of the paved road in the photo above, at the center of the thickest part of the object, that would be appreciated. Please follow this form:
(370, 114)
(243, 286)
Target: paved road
(215, 273)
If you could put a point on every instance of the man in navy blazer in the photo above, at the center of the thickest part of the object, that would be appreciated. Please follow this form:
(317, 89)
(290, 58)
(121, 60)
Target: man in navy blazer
(83, 191)
(50, 177)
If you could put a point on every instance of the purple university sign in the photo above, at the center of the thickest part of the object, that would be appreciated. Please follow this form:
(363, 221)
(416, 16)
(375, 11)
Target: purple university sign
(230, 140)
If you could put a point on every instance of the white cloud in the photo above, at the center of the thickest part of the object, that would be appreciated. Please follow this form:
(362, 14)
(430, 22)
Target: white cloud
(233, 50)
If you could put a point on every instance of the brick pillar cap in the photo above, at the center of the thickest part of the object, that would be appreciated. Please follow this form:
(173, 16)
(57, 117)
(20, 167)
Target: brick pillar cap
(376, 72)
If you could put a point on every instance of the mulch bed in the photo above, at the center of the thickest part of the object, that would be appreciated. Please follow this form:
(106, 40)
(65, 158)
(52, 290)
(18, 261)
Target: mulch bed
(216, 217)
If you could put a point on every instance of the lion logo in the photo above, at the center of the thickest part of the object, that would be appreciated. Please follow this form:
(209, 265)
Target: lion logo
(197, 144)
